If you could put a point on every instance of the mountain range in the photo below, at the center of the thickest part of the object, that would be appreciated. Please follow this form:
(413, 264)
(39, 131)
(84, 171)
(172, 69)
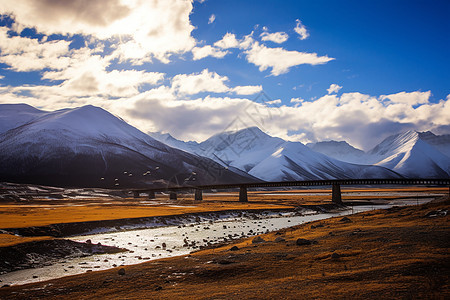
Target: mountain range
(89, 147)
(274, 159)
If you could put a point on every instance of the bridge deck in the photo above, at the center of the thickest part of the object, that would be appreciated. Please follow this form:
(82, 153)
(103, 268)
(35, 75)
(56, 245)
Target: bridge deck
(335, 184)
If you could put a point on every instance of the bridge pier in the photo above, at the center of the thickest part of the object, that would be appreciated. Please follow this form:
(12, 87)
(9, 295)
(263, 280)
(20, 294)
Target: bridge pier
(336, 194)
(136, 194)
(172, 196)
(151, 195)
(198, 196)
(243, 194)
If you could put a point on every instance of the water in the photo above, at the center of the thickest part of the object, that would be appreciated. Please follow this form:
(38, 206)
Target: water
(147, 244)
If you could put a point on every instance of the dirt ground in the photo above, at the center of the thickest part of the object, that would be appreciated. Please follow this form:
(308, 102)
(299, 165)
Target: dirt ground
(401, 253)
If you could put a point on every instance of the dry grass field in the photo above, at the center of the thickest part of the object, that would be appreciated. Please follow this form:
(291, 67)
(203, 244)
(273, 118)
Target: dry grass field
(397, 253)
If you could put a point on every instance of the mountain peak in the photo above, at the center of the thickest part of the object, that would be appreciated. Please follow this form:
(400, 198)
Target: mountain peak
(19, 107)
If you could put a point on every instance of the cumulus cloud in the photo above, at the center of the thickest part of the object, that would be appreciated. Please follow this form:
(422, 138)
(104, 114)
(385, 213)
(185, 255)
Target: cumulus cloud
(205, 51)
(280, 60)
(152, 28)
(205, 81)
(247, 89)
(211, 19)
(300, 29)
(362, 120)
(229, 40)
(25, 54)
(412, 98)
(334, 88)
(276, 37)
(276, 101)
(297, 100)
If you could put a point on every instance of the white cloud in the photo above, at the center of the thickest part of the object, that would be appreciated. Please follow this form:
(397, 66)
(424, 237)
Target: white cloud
(229, 41)
(152, 28)
(205, 81)
(301, 30)
(247, 89)
(297, 100)
(334, 88)
(362, 120)
(276, 101)
(412, 98)
(202, 52)
(276, 37)
(1, 77)
(211, 19)
(26, 54)
(280, 60)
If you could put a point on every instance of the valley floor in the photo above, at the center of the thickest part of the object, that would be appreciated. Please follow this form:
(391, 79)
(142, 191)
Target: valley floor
(400, 252)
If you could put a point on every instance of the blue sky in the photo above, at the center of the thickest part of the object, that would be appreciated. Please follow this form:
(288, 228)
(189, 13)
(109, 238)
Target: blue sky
(344, 70)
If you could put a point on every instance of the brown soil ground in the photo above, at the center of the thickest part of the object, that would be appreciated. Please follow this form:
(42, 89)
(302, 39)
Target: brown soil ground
(382, 254)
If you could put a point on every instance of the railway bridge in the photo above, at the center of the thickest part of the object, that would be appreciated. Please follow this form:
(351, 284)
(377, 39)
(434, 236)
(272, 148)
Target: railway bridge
(335, 184)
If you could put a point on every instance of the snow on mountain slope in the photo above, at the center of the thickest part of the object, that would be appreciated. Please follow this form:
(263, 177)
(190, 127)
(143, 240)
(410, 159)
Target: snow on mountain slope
(295, 161)
(242, 149)
(274, 159)
(409, 155)
(339, 150)
(440, 142)
(88, 146)
(15, 115)
(169, 140)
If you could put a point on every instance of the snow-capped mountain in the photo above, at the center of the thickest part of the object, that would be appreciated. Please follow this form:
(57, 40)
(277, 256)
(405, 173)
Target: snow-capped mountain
(88, 146)
(15, 115)
(410, 155)
(169, 140)
(339, 150)
(440, 142)
(274, 159)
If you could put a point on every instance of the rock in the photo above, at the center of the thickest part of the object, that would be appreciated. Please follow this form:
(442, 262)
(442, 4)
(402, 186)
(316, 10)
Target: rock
(158, 288)
(121, 271)
(436, 213)
(257, 240)
(345, 220)
(89, 242)
(234, 248)
(279, 239)
(164, 245)
(301, 242)
(335, 255)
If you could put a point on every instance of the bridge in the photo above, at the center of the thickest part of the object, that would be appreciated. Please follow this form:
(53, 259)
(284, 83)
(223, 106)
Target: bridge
(335, 184)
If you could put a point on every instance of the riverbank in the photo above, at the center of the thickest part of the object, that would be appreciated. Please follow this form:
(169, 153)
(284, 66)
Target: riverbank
(400, 252)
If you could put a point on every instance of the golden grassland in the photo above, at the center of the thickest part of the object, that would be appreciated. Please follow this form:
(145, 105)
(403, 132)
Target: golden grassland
(383, 254)
(11, 240)
(43, 212)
